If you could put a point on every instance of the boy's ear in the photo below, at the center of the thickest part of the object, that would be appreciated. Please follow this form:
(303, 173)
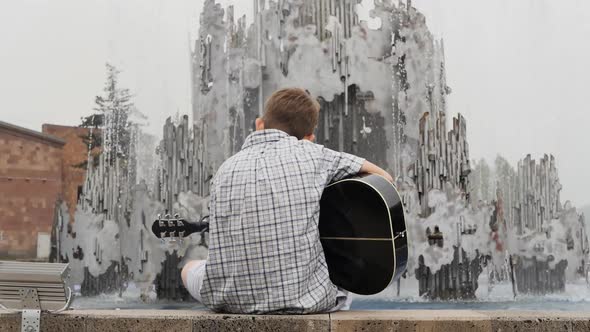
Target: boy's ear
(310, 137)
(259, 124)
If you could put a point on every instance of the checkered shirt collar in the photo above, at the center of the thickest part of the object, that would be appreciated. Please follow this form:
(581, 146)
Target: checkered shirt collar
(264, 136)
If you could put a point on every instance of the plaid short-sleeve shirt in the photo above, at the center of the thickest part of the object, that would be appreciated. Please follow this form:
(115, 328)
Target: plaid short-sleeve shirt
(265, 254)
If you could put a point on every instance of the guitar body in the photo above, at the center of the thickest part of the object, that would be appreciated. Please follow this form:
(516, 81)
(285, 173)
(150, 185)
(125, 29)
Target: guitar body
(362, 230)
(363, 233)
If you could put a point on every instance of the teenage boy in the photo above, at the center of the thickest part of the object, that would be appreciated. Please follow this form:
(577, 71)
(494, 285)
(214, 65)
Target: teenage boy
(265, 254)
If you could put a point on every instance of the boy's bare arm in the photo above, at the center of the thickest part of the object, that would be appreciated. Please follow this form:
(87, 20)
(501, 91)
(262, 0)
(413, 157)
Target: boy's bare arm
(369, 167)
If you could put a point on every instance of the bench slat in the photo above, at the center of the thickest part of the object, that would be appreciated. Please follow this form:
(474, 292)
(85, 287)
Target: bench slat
(45, 305)
(39, 291)
(20, 284)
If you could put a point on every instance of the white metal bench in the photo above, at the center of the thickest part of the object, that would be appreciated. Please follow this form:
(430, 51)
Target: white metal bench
(33, 287)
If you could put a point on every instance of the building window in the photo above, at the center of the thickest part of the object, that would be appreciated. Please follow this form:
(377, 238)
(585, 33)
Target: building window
(79, 192)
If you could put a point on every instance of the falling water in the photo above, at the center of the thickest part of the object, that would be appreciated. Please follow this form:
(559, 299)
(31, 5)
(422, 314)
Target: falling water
(380, 77)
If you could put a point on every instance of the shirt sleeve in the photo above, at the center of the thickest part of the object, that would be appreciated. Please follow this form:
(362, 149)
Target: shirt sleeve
(212, 199)
(341, 164)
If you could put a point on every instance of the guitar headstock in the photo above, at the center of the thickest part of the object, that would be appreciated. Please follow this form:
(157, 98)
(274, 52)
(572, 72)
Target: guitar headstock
(176, 227)
(170, 227)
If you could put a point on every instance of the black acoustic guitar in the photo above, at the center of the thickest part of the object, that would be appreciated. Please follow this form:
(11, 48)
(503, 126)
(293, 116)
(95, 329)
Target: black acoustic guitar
(362, 230)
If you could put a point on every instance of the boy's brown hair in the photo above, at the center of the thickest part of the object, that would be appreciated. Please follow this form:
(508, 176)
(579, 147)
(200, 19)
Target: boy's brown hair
(293, 111)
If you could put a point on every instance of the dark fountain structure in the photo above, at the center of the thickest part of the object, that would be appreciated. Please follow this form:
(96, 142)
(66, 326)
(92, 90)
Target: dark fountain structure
(380, 78)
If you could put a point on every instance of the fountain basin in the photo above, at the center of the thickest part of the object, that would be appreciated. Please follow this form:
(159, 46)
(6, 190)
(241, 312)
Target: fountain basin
(384, 320)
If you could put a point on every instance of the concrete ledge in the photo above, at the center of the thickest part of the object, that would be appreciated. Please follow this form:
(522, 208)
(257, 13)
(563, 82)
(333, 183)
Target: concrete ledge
(392, 321)
(459, 321)
(166, 320)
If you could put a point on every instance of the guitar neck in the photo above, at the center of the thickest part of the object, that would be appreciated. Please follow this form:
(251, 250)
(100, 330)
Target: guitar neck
(196, 227)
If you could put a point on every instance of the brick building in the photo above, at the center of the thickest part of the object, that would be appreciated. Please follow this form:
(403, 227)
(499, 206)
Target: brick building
(30, 187)
(37, 172)
(75, 154)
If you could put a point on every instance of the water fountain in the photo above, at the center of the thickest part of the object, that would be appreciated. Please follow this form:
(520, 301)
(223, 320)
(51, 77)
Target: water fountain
(380, 77)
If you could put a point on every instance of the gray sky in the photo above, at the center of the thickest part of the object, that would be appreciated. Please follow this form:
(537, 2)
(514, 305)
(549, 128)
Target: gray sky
(519, 69)
(53, 55)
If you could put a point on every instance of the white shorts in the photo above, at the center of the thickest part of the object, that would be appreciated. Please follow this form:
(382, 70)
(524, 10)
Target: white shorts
(196, 275)
(194, 280)
(343, 301)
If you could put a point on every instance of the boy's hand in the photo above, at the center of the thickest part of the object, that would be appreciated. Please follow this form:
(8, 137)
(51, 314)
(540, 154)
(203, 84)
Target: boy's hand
(369, 167)
(388, 177)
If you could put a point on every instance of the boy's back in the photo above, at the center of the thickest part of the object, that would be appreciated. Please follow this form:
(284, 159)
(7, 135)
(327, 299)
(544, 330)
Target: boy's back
(265, 254)
(264, 249)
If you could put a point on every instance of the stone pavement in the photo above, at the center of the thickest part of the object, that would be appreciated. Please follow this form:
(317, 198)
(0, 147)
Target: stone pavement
(391, 321)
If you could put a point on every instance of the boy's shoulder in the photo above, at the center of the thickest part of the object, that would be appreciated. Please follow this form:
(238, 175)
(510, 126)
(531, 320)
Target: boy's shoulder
(289, 143)
(309, 145)
(230, 161)
(292, 147)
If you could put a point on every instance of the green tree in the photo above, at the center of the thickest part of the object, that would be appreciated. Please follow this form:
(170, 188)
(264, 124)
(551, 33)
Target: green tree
(115, 107)
(112, 111)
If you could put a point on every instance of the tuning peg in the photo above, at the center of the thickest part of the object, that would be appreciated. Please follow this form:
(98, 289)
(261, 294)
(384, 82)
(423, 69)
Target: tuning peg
(172, 234)
(167, 216)
(170, 223)
(162, 235)
(161, 223)
(159, 216)
(180, 223)
(181, 234)
(176, 216)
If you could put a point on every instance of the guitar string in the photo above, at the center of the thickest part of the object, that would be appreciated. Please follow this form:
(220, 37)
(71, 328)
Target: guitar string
(359, 238)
